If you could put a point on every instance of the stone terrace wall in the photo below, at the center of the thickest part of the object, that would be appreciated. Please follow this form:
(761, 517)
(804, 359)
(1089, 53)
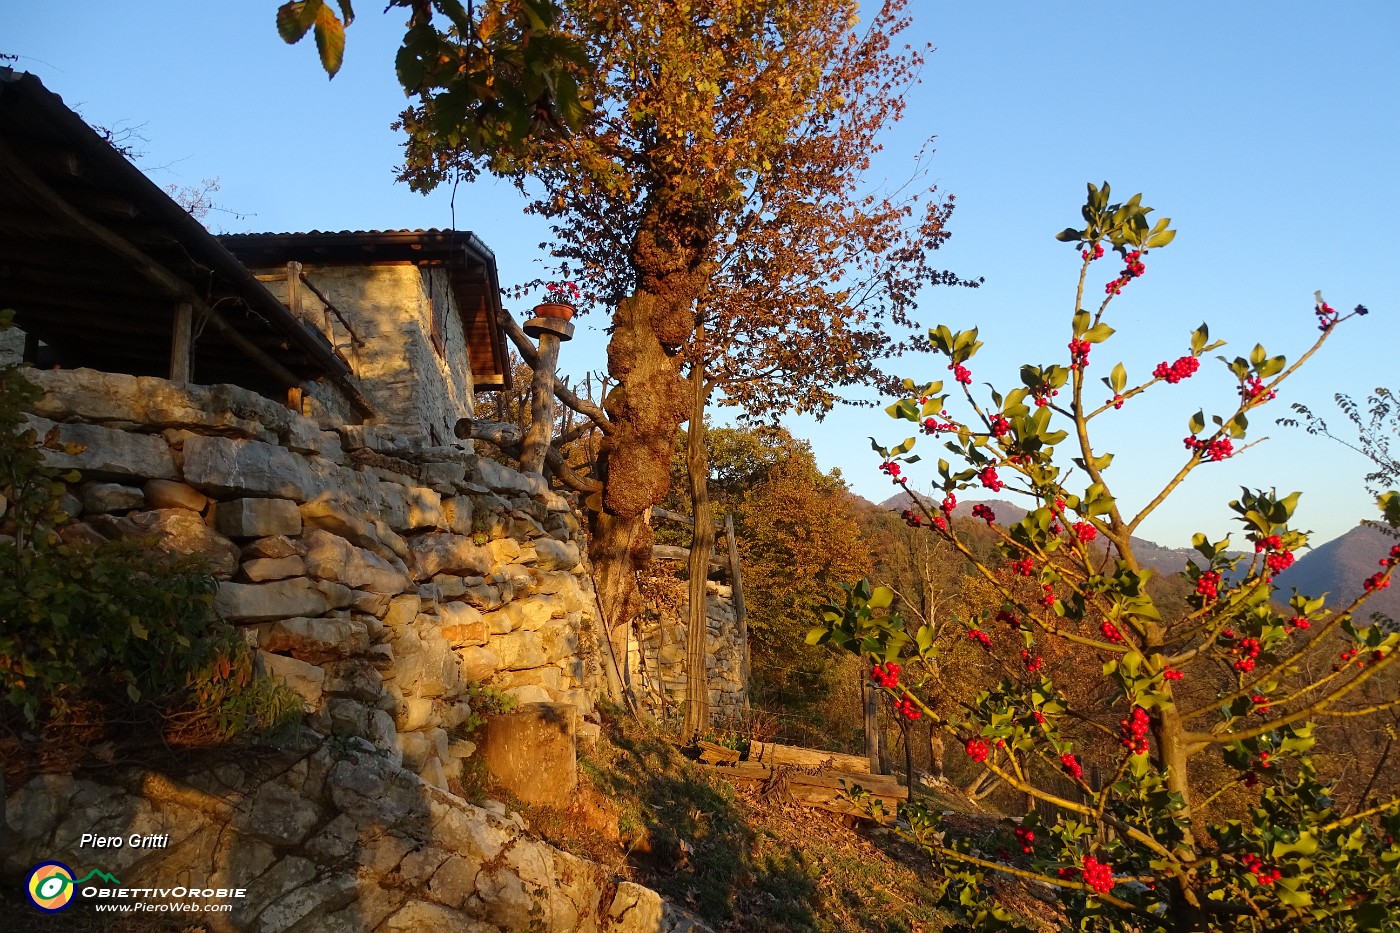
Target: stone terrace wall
(661, 651)
(379, 577)
(326, 839)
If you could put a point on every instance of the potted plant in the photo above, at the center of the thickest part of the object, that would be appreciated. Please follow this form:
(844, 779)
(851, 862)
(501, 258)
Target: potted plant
(559, 301)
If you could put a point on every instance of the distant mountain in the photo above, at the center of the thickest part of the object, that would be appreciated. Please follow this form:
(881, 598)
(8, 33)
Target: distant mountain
(1339, 568)
(1149, 553)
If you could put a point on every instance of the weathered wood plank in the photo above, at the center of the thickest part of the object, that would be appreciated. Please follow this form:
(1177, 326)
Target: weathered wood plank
(770, 754)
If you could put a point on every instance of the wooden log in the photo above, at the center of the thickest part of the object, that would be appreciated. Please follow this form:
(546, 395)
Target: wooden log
(667, 514)
(536, 441)
(181, 343)
(741, 611)
(771, 755)
(673, 552)
(824, 791)
(500, 433)
(713, 754)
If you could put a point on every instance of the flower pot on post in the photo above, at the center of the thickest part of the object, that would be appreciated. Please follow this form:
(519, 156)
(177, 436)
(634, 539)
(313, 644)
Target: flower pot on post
(555, 310)
(551, 325)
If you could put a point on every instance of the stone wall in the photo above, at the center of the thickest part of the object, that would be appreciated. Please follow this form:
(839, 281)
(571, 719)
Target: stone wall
(328, 837)
(658, 656)
(380, 578)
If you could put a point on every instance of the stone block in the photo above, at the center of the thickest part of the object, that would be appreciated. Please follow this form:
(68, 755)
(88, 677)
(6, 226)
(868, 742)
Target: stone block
(458, 512)
(636, 909)
(315, 640)
(304, 679)
(402, 610)
(529, 694)
(501, 478)
(265, 569)
(523, 526)
(265, 602)
(170, 494)
(414, 713)
(436, 553)
(461, 625)
(100, 452)
(371, 604)
(532, 752)
(417, 748)
(331, 557)
(478, 664)
(112, 497)
(182, 532)
(257, 518)
(338, 595)
(555, 555)
(425, 510)
(503, 551)
(484, 596)
(231, 467)
(276, 546)
(519, 650)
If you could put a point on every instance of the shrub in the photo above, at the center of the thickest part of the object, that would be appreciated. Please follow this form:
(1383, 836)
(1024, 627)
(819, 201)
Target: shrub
(1216, 700)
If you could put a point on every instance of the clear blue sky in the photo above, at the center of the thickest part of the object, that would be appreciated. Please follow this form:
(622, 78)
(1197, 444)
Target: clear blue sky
(1267, 131)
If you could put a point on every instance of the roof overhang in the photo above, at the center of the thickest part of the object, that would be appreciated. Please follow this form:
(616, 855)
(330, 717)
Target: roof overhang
(95, 259)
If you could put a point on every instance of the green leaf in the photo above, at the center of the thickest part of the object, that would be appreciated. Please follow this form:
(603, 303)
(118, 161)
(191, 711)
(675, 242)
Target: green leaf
(1197, 422)
(294, 19)
(881, 598)
(1098, 333)
(1118, 379)
(815, 636)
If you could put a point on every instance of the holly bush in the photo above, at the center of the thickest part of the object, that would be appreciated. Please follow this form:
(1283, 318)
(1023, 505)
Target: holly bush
(112, 620)
(1196, 805)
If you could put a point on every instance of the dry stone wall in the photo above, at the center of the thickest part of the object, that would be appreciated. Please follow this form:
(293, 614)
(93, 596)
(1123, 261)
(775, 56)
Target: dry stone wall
(384, 580)
(658, 654)
(328, 837)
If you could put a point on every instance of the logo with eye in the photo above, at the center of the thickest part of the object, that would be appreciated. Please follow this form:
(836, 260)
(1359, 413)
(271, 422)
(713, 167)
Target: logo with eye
(50, 887)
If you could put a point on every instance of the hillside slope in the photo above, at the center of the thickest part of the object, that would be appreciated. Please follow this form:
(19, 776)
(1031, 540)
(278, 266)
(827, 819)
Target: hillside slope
(1339, 567)
(1149, 553)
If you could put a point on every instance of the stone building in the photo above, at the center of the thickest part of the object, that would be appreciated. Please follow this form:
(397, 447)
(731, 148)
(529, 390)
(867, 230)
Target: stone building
(283, 405)
(413, 313)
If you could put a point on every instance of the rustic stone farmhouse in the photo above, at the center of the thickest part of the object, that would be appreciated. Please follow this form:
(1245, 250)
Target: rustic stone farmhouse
(283, 405)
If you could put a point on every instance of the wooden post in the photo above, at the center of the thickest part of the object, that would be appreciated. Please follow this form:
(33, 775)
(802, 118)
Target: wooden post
(182, 343)
(294, 290)
(541, 405)
(872, 722)
(741, 612)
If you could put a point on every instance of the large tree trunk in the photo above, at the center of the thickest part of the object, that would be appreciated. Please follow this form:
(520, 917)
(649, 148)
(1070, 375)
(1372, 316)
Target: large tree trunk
(650, 399)
(697, 685)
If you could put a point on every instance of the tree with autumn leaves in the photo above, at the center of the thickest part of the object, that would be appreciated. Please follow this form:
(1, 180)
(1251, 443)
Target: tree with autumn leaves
(704, 167)
(1207, 812)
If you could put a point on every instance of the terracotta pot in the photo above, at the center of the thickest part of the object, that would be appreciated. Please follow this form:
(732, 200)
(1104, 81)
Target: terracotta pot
(555, 309)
